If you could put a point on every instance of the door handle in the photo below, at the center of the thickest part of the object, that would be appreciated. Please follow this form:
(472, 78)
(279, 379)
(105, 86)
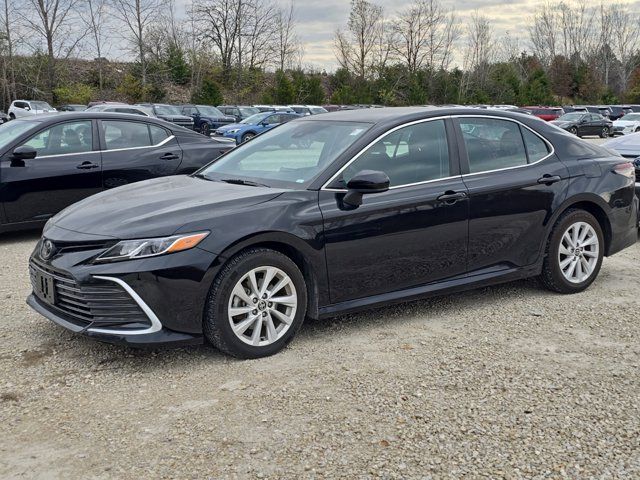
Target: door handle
(450, 197)
(547, 179)
(87, 166)
(169, 156)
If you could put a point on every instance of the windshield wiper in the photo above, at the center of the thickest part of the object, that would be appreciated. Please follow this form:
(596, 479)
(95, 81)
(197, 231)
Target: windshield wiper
(239, 181)
(201, 175)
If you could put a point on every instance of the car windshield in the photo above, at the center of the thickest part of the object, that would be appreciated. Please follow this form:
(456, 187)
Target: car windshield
(289, 156)
(41, 106)
(167, 110)
(256, 119)
(11, 130)
(631, 117)
(571, 117)
(210, 111)
(248, 111)
(318, 110)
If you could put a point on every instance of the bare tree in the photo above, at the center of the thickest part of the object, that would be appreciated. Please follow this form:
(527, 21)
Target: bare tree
(287, 42)
(605, 53)
(479, 52)
(8, 65)
(138, 16)
(425, 34)
(96, 19)
(358, 48)
(625, 42)
(54, 22)
(258, 35)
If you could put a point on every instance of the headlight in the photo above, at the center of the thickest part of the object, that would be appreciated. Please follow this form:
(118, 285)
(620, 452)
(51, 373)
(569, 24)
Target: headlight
(235, 130)
(151, 247)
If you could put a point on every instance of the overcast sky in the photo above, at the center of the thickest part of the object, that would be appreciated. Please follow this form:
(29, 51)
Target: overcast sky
(317, 20)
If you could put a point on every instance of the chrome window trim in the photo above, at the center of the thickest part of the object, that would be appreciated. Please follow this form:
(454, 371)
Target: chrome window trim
(550, 146)
(170, 137)
(156, 325)
(66, 154)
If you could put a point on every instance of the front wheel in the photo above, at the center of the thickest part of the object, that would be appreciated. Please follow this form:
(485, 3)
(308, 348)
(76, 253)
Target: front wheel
(256, 304)
(604, 133)
(573, 130)
(247, 136)
(574, 253)
(205, 129)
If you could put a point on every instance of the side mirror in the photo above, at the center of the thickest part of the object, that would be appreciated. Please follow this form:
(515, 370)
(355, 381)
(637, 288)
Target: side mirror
(24, 152)
(364, 182)
(27, 107)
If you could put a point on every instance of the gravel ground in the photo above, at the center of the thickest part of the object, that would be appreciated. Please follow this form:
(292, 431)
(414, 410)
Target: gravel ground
(502, 382)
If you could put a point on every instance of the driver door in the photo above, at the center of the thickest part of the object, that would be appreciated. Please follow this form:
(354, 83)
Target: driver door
(67, 169)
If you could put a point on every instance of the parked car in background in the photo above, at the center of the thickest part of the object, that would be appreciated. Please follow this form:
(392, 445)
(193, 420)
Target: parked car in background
(619, 111)
(574, 108)
(629, 147)
(121, 108)
(333, 214)
(635, 108)
(546, 113)
(254, 125)
(170, 113)
(583, 124)
(274, 108)
(206, 119)
(307, 109)
(628, 124)
(4, 118)
(72, 107)
(600, 110)
(239, 112)
(48, 162)
(93, 103)
(27, 108)
(518, 110)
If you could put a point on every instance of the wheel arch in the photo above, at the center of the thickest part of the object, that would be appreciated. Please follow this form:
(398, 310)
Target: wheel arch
(296, 249)
(590, 203)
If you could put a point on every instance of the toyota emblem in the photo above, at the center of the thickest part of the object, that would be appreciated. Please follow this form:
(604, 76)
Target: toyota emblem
(46, 250)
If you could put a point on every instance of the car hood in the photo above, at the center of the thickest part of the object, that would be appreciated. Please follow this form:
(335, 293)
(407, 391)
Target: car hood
(233, 126)
(158, 207)
(626, 123)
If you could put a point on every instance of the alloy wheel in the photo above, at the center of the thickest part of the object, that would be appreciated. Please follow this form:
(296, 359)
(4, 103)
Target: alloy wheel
(578, 252)
(262, 306)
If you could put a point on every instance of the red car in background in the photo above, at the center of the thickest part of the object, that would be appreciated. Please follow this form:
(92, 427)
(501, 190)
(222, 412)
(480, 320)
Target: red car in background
(546, 113)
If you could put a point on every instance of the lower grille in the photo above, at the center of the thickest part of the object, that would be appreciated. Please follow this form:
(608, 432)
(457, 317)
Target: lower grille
(103, 304)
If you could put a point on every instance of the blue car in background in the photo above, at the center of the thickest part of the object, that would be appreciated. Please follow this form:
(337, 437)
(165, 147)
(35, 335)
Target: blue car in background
(206, 118)
(254, 125)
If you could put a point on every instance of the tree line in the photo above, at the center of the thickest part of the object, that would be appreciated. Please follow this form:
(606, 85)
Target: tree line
(248, 51)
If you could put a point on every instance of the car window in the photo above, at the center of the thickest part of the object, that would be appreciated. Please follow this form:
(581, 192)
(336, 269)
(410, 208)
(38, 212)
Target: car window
(537, 148)
(63, 138)
(274, 119)
(412, 154)
(119, 134)
(158, 134)
(492, 144)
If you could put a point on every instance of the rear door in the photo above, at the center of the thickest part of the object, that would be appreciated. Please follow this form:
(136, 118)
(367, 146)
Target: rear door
(67, 169)
(136, 150)
(515, 182)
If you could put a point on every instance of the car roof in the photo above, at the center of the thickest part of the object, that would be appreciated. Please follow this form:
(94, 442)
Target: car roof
(94, 114)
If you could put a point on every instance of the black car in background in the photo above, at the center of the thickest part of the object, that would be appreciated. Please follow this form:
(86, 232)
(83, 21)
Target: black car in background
(603, 110)
(206, 118)
(48, 162)
(584, 124)
(238, 112)
(330, 214)
(72, 107)
(170, 113)
(619, 111)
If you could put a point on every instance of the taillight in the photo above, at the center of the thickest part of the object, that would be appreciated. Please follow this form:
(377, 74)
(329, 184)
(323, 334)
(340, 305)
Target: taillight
(625, 169)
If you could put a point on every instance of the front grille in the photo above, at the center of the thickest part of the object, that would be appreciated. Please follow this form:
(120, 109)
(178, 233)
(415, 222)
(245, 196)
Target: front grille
(103, 304)
(188, 125)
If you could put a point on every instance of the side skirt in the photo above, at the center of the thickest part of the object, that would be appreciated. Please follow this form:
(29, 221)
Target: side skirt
(453, 285)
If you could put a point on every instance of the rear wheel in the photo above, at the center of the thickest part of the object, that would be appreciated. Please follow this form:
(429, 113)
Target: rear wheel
(605, 132)
(12, 116)
(573, 130)
(205, 129)
(574, 253)
(256, 304)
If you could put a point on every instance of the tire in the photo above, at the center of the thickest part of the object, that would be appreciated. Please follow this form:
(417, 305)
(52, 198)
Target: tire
(552, 275)
(205, 129)
(638, 130)
(235, 275)
(604, 133)
(247, 136)
(574, 131)
(12, 116)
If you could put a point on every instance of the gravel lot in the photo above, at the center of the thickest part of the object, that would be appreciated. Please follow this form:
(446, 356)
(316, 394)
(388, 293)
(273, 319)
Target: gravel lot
(503, 382)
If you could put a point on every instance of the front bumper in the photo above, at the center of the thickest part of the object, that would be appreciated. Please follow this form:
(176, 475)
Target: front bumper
(154, 301)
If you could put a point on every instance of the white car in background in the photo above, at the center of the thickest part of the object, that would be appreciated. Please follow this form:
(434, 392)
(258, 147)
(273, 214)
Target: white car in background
(122, 108)
(307, 109)
(630, 123)
(26, 108)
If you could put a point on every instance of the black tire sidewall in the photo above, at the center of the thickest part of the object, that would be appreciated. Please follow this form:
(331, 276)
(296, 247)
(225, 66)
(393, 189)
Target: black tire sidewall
(560, 282)
(216, 325)
(247, 136)
(573, 130)
(205, 129)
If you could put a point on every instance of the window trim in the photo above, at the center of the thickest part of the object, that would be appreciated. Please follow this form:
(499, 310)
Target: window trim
(463, 148)
(325, 187)
(103, 141)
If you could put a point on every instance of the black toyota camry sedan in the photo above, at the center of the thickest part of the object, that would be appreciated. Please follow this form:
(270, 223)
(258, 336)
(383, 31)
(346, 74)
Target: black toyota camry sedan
(48, 162)
(331, 214)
